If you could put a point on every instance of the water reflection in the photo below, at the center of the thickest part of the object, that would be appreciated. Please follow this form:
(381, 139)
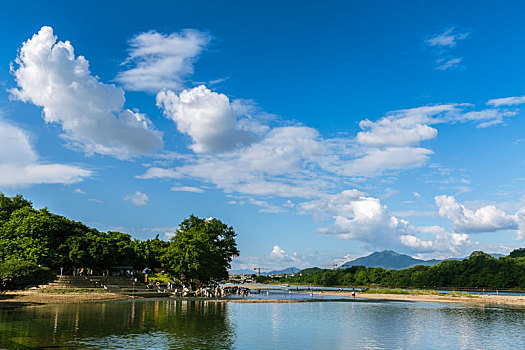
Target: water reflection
(159, 324)
(192, 324)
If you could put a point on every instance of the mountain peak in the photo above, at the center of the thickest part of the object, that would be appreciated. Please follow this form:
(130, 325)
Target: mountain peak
(388, 259)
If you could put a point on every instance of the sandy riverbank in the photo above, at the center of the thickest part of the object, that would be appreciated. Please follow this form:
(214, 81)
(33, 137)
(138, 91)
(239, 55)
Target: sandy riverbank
(474, 300)
(30, 298)
(27, 298)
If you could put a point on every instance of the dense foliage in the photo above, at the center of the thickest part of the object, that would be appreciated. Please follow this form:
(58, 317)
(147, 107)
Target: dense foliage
(480, 270)
(517, 253)
(18, 273)
(200, 250)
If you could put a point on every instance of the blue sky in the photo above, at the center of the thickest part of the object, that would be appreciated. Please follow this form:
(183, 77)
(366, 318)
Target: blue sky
(319, 131)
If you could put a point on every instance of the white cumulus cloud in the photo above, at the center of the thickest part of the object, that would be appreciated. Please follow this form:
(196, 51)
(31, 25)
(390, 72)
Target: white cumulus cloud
(365, 219)
(278, 258)
(207, 117)
(485, 219)
(91, 113)
(393, 132)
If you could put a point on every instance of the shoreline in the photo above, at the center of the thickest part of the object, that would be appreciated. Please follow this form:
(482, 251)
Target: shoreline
(20, 298)
(483, 300)
(13, 299)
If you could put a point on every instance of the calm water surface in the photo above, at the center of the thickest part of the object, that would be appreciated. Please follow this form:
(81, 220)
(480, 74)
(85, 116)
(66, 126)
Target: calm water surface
(192, 324)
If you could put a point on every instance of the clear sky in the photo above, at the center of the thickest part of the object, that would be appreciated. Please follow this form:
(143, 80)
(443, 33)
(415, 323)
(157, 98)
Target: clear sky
(321, 131)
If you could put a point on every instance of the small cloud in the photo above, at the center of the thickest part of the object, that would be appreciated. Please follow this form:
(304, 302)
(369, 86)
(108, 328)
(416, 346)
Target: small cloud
(138, 198)
(187, 189)
(416, 194)
(217, 81)
(266, 207)
(452, 63)
(448, 38)
(78, 190)
(168, 231)
(95, 200)
(289, 204)
(389, 193)
(442, 44)
(506, 101)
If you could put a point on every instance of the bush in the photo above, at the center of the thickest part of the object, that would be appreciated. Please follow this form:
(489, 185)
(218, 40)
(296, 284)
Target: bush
(16, 274)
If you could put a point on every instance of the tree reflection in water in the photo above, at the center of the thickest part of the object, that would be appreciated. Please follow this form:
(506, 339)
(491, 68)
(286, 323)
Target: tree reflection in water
(139, 324)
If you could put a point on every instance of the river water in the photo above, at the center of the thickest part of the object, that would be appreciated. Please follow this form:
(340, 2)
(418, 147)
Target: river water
(323, 323)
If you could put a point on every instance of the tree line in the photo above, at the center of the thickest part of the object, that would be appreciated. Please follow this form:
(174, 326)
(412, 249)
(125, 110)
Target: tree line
(201, 249)
(480, 270)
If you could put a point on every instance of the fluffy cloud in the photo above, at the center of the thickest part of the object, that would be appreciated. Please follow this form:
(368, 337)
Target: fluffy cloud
(278, 165)
(394, 132)
(162, 61)
(207, 117)
(359, 218)
(137, 198)
(91, 113)
(376, 161)
(20, 164)
(276, 259)
(363, 218)
(160, 173)
(443, 245)
(408, 127)
(485, 219)
(295, 161)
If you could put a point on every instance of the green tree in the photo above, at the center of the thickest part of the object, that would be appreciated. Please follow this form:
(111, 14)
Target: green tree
(148, 253)
(9, 204)
(517, 253)
(201, 250)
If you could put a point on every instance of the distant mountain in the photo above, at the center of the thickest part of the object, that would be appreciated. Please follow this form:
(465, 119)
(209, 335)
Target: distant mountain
(288, 270)
(389, 259)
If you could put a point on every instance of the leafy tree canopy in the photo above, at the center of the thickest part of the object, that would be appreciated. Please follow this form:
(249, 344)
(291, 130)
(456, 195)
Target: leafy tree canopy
(201, 250)
(517, 253)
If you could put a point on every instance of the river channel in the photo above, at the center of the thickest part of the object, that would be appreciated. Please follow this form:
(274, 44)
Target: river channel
(202, 324)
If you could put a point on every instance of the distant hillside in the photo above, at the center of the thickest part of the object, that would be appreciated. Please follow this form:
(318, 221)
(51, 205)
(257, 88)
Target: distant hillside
(389, 259)
(310, 270)
(288, 270)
